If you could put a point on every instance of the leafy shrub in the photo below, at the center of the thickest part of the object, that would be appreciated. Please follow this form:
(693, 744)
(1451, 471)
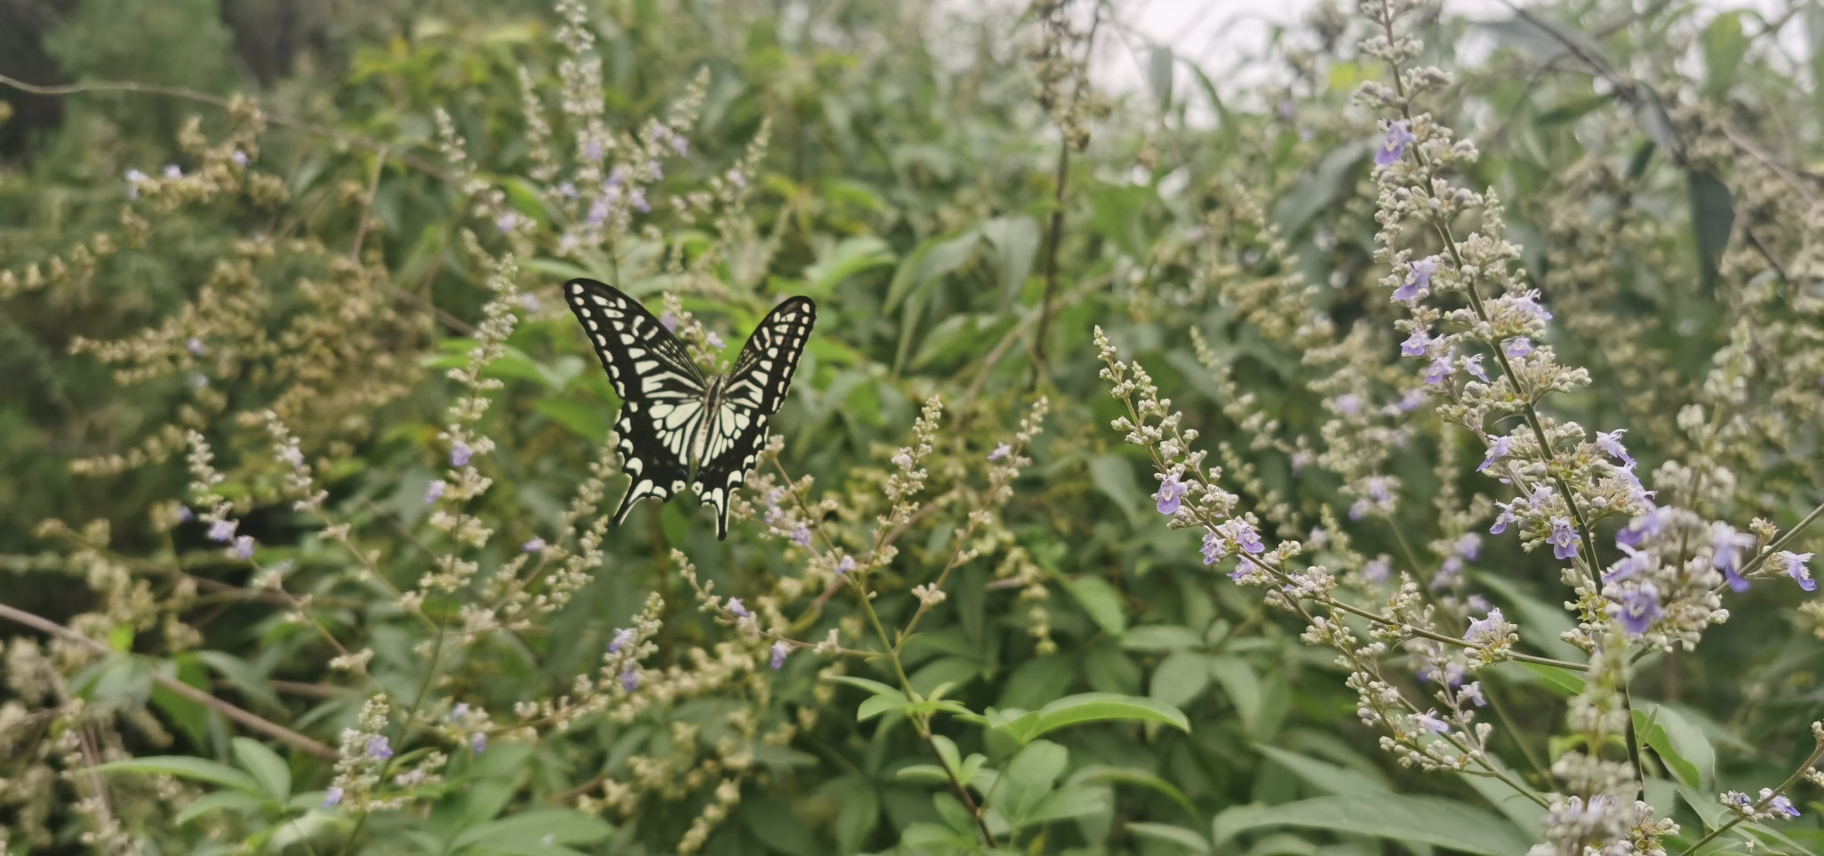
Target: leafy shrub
(1495, 370)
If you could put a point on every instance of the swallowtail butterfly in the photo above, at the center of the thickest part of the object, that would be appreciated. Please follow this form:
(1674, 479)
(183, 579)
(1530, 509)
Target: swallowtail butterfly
(678, 427)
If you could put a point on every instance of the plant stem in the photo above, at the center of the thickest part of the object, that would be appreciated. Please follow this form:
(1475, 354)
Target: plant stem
(1791, 780)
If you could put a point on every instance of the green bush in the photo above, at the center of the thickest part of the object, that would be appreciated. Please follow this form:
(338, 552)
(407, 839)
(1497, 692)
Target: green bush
(1489, 352)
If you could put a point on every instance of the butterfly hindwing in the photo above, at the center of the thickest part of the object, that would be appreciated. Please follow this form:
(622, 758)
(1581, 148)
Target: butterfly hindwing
(752, 393)
(662, 389)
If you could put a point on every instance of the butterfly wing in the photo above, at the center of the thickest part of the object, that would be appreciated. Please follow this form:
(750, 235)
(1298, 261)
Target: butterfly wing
(652, 373)
(753, 392)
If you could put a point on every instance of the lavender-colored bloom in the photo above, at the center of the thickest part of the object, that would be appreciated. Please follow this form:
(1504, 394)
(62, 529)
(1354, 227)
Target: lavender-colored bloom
(637, 199)
(460, 454)
(567, 190)
(1519, 347)
(1504, 519)
(1563, 538)
(222, 530)
(1378, 569)
(679, 145)
(737, 179)
(801, 535)
(592, 151)
(1610, 442)
(1001, 451)
(529, 301)
(1215, 549)
(1171, 494)
(1415, 344)
(1469, 546)
(1453, 568)
(1419, 282)
(1477, 603)
(1246, 537)
(1500, 448)
(1637, 563)
(653, 169)
(536, 545)
(780, 649)
(1794, 563)
(459, 711)
(1473, 692)
(1473, 365)
(479, 743)
(846, 565)
(1348, 404)
(1245, 571)
(434, 491)
(1638, 608)
(903, 460)
(195, 346)
(332, 798)
(1779, 803)
(1727, 545)
(668, 321)
(1399, 136)
(1429, 721)
(1488, 629)
(622, 638)
(1411, 400)
(134, 177)
(198, 381)
(378, 747)
(598, 212)
(1287, 110)
(184, 514)
(1438, 370)
(240, 158)
(507, 222)
(1529, 303)
(715, 341)
(243, 548)
(738, 608)
(630, 678)
(172, 172)
(1643, 527)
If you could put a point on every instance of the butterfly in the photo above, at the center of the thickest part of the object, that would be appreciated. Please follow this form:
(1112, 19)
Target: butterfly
(677, 426)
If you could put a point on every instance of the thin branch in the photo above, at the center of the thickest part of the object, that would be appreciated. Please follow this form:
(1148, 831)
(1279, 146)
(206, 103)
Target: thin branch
(249, 720)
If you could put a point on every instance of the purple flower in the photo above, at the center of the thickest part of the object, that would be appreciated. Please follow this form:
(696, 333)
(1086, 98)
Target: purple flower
(616, 177)
(222, 530)
(1500, 448)
(637, 199)
(737, 179)
(1638, 608)
(667, 321)
(1416, 344)
(1411, 400)
(1473, 365)
(1610, 442)
(1171, 494)
(1794, 563)
(652, 169)
(738, 608)
(1453, 568)
(378, 747)
(715, 341)
(1643, 527)
(846, 565)
(1419, 282)
(479, 743)
(134, 178)
(1637, 563)
(592, 151)
(240, 158)
(1779, 803)
(598, 212)
(1348, 404)
(506, 222)
(1245, 535)
(1519, 347)
(1215, 549)
(1438, 370)
(434, 491)
(195, 346)
(460, 454)
(1473, 692)
(1477, 603)
(1469, 546)
(1378, 569)
(1529, 303)
(1727, 545)
(536, 545)
(184, 514)
(1246, 571)
(567, 190)
(780, 649)
(801, 535)
(622, 638)
(529, 301)
(680, 145)
(1399, 136)
(1563, 538)
(1001, 451)
(459, 711)
(172, 172)
(243, 548)
(1488, 630)
(1429, 721)
(630, 678)
(332, 798)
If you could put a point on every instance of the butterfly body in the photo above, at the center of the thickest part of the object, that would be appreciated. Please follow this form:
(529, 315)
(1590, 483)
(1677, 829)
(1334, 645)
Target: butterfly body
(678, 428)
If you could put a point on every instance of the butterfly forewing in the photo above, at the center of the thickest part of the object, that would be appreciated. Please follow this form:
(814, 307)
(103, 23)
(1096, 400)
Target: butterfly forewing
(672, 414)
(662, 389)
(751, 394)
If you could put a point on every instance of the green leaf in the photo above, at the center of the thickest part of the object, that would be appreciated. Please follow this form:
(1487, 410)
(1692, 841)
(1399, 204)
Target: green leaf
(1316, 191)
(1161, 637)
(530, 832)
(244, 677)
(1118, 214)
(1679, 742)
(1564, 682)
(216, 801)
(1181, 677)
(266, 766)
(858, 815)
(185, 767)
(1175, 834)
(1712, 219)
(1100, 774)
(850, 257)
(1426, 820)
(874, 687)
(1159, 67)
(1242, 685)
(1102, 601)
(1027, 778)
(877, 705)
(932, 259)
(1094, 707)
(1015, 240)
(1114, 477)
(1067, 802)
(931, 773)
(1724, 48)
(1326, 777)
(584, 419)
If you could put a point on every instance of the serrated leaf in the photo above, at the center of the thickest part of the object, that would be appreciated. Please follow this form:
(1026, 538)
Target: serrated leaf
(185, 767)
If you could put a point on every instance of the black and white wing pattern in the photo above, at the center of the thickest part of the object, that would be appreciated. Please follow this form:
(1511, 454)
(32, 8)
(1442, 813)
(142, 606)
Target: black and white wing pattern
(745, 399)
(665, 395)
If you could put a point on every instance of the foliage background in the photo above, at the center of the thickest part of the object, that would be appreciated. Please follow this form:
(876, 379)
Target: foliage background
(908, 187)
